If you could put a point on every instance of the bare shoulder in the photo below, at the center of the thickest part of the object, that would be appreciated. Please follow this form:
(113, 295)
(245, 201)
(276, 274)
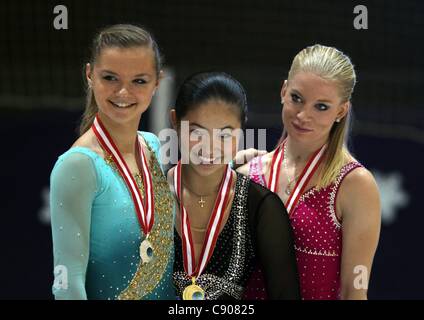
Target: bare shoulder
(266, 163)
(359, 195)
(266, 159)
(89, 140)
(359, 179)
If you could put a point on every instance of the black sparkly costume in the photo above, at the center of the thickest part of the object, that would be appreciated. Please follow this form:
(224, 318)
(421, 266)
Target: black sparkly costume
(257, 233)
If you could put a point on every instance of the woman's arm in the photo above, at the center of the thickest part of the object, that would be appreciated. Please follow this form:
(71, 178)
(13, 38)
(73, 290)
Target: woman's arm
(275, 249)
(359, 202)
(72, 189)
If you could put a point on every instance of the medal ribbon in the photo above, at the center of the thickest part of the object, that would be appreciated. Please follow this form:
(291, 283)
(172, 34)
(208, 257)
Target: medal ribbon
(145, 211)
(303, 180)
(213, 225)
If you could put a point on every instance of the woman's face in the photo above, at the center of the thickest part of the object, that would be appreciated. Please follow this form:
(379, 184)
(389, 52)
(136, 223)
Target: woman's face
(311, 106)
(123, 82)
(212, 136)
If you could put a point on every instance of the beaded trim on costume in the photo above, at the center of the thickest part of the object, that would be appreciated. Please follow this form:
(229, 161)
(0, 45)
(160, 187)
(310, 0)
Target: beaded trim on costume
(334, 188)
(255, 171)
(213, 285)
(148, 275)
(327, 253)
(332, 205)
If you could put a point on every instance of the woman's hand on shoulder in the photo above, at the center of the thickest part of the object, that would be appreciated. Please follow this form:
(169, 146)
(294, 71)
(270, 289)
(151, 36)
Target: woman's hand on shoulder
(243, 157)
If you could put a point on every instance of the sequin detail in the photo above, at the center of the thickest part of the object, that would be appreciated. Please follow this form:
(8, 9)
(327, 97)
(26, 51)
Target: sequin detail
(318, 240)
(148, 275)
(255, 171)
(232, 261)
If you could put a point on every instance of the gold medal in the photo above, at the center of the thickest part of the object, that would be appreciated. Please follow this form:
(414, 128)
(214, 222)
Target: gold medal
(193, 292)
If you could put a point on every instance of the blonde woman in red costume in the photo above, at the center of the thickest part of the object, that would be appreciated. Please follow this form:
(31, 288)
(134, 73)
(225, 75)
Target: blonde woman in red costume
(332, 200)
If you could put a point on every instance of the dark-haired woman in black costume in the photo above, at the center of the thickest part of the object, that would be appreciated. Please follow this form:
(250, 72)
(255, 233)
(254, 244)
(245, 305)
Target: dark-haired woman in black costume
(226, 225)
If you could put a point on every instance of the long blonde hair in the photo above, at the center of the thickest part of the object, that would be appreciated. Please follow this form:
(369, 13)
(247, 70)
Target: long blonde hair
(330, 64)
(119, 36)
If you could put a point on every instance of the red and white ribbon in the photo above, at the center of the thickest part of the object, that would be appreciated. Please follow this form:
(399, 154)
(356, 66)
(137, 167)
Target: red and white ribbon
(145, 211)
(213, 225)
(303, 180)
(277, 159)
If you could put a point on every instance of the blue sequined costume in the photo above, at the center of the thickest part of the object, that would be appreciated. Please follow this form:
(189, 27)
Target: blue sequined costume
(96, 233)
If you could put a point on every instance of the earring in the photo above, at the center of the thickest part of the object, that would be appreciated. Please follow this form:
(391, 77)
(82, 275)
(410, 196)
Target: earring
(282, 101)
(338, 120)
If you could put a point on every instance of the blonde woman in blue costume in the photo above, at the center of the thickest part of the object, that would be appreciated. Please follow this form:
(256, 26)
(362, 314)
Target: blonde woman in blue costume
(112, 211)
